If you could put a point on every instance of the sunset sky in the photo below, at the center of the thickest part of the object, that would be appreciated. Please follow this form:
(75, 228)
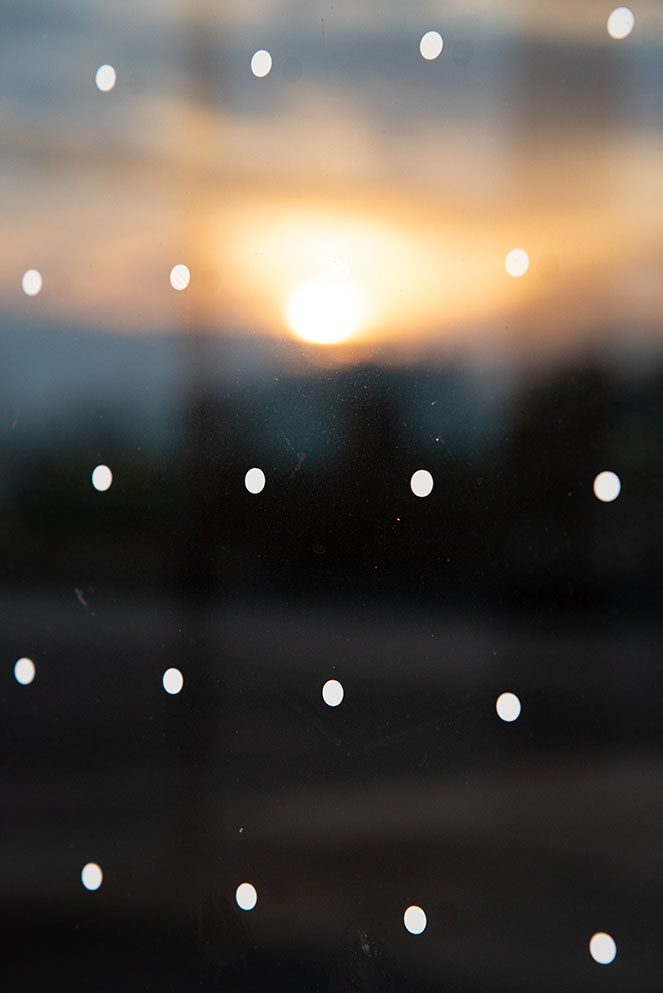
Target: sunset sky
(357, 180)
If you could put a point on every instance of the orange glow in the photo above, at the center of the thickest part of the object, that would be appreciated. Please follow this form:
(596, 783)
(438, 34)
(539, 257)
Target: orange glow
(346, 209)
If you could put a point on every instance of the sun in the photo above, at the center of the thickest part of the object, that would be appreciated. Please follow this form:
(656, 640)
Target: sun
(324, 312)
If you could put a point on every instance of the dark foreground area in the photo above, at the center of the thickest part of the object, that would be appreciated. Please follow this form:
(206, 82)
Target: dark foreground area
(520, 840)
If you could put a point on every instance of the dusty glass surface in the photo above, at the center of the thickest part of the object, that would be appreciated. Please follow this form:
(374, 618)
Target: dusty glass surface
(330, 496)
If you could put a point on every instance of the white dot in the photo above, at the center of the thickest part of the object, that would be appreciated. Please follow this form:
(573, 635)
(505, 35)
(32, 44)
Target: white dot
(32, 282)
(261, 63)
(173, 681)
(332, 692)
(421, 483)
(430, 45)
(105, 78)
(602, 948)
(621, 22)
(508, 707)
(180, 277)
(102, 478)
(516, 262)
(414, 919)
(246, 896)
(255, 480)
(607, 486)
(340, 270)
(92, 876)
(24, 671)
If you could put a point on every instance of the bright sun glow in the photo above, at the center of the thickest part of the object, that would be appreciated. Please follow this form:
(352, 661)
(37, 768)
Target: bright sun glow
(324, 312)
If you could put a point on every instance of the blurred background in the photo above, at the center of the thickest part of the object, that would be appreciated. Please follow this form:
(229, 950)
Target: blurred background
(299, 237)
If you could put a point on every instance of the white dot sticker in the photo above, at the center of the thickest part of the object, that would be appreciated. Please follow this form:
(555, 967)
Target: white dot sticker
(607, 486)
(255, 480)
(431, 45)
(421, 483)
(173, 681)
(602, 948)
(32, 282)
(92, 876)
(340, 270)
(261, 63)
(508, 707)
(333, 693)
(24, 671)
(102, 478)
(516, 262)
(415, 920)
(180, 277)
(246, 896)
(621, 22)
(105, 78)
